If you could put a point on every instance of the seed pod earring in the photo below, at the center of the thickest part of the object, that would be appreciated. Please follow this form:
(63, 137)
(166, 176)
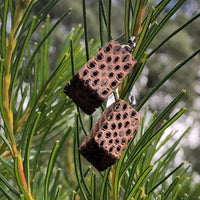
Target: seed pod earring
(101, 75)
(108, 138)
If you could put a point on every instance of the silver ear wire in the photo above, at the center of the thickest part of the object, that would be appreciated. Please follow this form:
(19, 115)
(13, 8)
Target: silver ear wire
(127, 47)
(131, 44)
(132, 99)
(132, 41)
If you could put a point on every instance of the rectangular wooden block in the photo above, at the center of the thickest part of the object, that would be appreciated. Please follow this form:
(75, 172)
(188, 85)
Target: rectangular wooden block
(110, 135)
(100, 76)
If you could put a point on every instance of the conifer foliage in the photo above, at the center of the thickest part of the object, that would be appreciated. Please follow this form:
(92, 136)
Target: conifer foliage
(41, 129)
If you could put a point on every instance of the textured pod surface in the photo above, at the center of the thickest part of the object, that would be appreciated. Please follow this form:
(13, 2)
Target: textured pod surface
(110, 135)
(100, 76)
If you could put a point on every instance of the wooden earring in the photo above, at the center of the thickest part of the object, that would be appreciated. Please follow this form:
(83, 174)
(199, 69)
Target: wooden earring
(108, 138)
(100, 76)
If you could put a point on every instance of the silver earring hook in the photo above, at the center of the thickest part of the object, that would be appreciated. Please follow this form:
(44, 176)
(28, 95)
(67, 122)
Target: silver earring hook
(132, 99)
(131, 44)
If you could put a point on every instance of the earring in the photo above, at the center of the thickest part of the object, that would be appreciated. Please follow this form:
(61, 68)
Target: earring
(101, 75)
(108, 138)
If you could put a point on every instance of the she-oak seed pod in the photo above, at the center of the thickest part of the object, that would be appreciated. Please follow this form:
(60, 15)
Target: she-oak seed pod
(108, 138)
(100, 76)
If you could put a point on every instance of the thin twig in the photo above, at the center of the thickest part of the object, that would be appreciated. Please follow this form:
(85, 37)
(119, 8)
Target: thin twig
(7, 78)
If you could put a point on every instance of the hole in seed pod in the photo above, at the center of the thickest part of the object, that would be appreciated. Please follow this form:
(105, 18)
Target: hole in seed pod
(117, 107)
(103, 74)
(128, 132)
(95, 73)
(123, 140)
(124, 107)
(126, 67)
(108, 134)
(102, 66)
(119, 125)
(85, 72)
(117, 67)
(133, 114)
(96, 81)
(117, 141)
(108, 48)
(99, 135)
(111, 148)
(117, 49)
(126, 124)
(113, 126)
(109, 67)
(120, 76)
(87, 82)
(105, 92)
(116, 59)
(110, 117)
(134, 122)
(105, 126)
(115, 134)
(91, 64)
(108, 59)
(102, 143)
(126, 58)
(104, 82)
(125, 115)
(118, 116)
(99, 57)
(118, 148)
(111, 75)
(113, 84)
(121, 133)
(110, 141)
